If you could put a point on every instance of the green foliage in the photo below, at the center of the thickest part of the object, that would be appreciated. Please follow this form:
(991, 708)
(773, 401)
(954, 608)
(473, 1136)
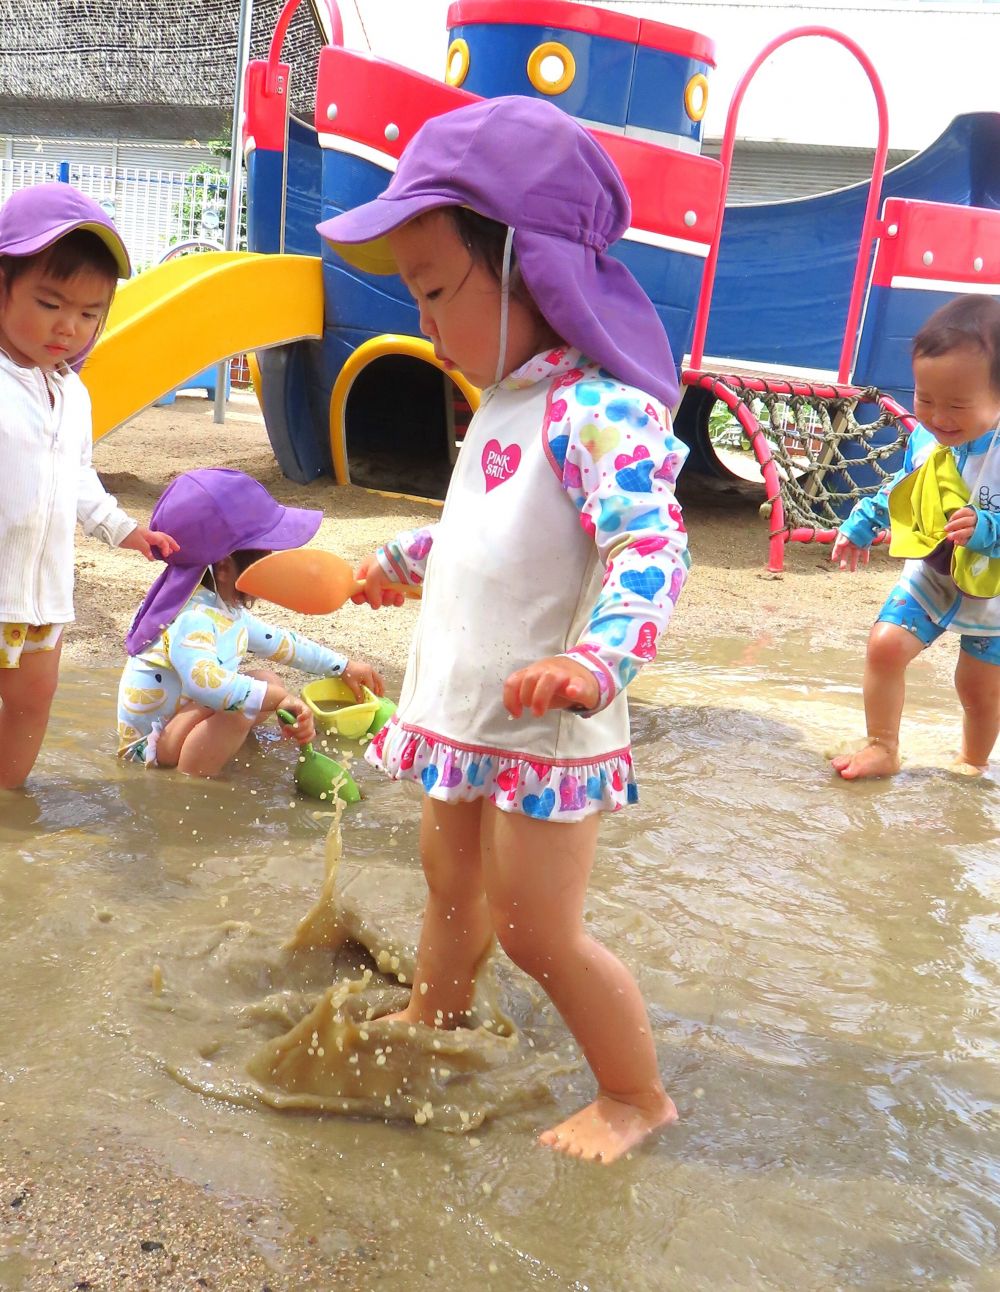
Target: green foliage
(724, 429)
(202, 207)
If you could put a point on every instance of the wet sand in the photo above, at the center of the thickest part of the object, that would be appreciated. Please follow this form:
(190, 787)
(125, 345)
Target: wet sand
(730, 590)
(111, 1218)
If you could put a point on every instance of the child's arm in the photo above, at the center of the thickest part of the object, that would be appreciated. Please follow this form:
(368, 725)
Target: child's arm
(286, 647)
(402, 560)
(622, 482)
(191, 650)
(146, 540)
(868, 518)
(101, 517)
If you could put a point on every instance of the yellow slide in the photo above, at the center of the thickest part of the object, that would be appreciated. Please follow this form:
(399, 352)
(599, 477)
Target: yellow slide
(170, 322)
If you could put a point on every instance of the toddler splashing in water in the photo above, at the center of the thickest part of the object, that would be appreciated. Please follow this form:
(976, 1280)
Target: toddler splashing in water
(554, 568)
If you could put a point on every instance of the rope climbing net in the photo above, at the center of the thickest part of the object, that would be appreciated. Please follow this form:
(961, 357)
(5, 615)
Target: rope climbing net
(816, 455)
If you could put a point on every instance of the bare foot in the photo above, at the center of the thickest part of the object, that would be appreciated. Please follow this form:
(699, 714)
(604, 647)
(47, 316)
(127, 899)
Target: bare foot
(963, 768)
(876, 758)
(608, 1127)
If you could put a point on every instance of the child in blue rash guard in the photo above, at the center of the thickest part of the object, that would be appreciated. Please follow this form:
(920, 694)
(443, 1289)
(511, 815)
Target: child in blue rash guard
(944, 508)
(183, 700)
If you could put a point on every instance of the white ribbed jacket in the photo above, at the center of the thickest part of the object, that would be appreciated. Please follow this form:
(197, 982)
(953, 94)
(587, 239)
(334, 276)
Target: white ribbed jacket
(47, 483)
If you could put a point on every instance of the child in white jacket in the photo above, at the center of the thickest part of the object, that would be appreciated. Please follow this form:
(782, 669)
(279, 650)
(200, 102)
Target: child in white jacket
(60, 260)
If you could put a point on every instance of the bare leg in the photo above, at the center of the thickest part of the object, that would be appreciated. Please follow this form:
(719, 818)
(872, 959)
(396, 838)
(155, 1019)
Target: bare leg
(456, 932)
(978, 685)
(891, 650)
(200, 741)
(536, 876)
(26, 695)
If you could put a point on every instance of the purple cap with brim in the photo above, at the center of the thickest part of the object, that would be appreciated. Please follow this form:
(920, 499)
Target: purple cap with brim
(212, 512)
(529, 165)
(34, 218)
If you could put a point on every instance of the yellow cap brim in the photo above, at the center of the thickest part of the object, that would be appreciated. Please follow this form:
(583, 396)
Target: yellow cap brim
(114, 244)
(373, 257)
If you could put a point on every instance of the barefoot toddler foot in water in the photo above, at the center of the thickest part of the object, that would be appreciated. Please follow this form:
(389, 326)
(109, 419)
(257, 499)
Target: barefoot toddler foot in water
(606, 1129)
(961, 767)
(876, 758)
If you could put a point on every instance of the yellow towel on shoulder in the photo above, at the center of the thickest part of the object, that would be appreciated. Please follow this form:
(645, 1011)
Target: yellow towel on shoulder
(920, 506)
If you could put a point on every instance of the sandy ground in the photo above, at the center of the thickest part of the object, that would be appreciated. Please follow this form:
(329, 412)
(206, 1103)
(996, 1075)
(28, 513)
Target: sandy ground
(730, 592)
(94, 1221)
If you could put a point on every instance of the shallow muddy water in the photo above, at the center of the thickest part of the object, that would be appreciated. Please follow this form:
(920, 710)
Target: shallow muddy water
(821, 964)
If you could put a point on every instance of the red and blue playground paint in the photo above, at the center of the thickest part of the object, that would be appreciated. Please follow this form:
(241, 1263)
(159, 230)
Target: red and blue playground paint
(784, 272)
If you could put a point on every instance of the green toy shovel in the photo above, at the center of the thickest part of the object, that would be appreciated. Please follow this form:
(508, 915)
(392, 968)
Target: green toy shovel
(320, 777)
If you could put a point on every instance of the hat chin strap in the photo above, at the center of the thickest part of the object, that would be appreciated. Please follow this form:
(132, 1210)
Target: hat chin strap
(508, 248)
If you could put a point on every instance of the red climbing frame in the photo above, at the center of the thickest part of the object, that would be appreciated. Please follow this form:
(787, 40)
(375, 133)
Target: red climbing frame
(729, 390)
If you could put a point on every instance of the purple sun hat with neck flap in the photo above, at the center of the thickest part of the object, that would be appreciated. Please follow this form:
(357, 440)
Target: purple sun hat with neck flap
(527, 164)
(33, 218)
(212, 512)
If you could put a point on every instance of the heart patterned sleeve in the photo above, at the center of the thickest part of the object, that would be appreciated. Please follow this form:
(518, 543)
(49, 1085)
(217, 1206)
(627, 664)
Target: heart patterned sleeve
(618, 461)
(404, 558)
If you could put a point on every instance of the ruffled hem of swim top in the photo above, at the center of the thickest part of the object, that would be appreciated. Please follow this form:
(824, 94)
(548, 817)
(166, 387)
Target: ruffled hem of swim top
(546, 791)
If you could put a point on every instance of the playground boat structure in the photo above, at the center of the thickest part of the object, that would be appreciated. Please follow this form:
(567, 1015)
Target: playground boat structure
(805, 307)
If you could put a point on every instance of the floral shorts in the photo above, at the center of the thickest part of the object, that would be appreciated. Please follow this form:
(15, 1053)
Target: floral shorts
(26, 639)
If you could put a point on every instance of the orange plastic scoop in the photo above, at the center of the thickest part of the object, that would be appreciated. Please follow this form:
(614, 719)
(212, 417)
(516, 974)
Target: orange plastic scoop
(305, 579)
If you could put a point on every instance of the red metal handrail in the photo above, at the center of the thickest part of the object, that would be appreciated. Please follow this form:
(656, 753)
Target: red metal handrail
(871, 208)
(729, 390)
(281, 30)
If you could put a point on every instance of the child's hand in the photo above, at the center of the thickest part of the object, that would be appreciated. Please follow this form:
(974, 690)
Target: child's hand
(554, 683)
(305, 728)
(376, 587)
(145, 540)
(358, 674)
(961, 525)
(848, 554)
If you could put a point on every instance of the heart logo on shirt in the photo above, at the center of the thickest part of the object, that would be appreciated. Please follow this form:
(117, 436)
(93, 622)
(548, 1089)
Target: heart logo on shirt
(499, 464)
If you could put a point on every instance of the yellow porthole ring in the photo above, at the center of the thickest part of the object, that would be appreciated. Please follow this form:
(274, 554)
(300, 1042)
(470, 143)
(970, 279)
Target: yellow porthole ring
(696, 96)
(456, 67)
(537, 72)
(377, 348)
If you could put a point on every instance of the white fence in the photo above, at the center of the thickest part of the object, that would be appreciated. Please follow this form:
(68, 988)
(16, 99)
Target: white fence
(153, 209)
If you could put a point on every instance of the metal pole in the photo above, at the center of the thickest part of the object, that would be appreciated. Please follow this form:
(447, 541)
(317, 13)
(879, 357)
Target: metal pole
(233, 205)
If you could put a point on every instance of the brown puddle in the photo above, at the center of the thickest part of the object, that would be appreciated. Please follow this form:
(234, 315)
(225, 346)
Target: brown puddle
(821, 962)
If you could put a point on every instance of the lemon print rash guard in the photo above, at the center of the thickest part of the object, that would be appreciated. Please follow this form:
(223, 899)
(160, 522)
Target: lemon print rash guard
(197, 657)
